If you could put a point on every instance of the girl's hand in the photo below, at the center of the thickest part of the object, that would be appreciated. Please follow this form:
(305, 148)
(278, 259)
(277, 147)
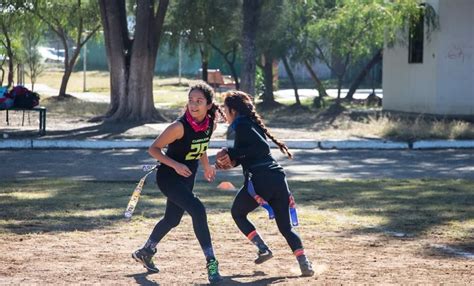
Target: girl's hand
(182, 170)
(209, 173)
(223, 160)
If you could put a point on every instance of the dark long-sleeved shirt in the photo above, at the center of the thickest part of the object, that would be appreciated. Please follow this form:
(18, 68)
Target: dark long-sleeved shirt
(250, 145)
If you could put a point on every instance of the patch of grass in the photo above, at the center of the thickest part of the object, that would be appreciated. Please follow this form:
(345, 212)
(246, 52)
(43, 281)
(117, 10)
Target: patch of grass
(99, 81)
(415, 207)
(167, 91)
(441, 208)
(57, 205)
(352, 121)
(75, 107)
(422, 128)
(95, 80)
(175, 97)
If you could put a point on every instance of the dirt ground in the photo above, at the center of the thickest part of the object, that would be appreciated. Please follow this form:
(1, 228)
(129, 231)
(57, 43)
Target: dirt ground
(102, 256)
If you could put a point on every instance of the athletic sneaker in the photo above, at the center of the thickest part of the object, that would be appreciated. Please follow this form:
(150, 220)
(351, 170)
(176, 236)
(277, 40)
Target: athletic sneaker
(263, 256)
(213, 271)
(306, 268)
(145, 257)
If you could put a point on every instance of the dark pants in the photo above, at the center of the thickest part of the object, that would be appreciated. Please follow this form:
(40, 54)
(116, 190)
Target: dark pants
(180, 198)
(271, 185)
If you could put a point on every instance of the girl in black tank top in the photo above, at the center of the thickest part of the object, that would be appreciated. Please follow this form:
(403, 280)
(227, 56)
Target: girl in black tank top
(187, 140)
(191, 146)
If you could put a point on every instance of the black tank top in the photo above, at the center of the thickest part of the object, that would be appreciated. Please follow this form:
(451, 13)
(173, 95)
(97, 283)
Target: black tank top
(189, 149)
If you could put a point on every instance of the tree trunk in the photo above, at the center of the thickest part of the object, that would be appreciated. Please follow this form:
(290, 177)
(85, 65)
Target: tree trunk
(340, 79)
(118, 49)
(251, 14)
(3, 75)
(204, 68)
(9, 49)
(377, 58)
(268, 97)
(229, 62)
(11, 67)
(233, 71)
(319, 85)
(204, 64)
(132, 62)
(64, 81)
(68, 66)
(292, 79)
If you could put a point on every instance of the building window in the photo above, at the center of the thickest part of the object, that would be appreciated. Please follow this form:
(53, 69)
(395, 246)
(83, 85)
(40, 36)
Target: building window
(416, 40)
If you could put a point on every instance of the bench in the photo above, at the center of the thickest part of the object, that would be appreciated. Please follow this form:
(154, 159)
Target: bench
(42, 116)
(219, 81)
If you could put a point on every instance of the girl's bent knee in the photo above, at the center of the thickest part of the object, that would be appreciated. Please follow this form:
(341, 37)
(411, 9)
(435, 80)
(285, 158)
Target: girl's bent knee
(286, 231)
(197, 210)
(172, 222)
(236, 213)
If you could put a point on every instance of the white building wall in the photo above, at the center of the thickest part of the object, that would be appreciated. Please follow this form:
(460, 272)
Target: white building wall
(443, 83)
(456, 63)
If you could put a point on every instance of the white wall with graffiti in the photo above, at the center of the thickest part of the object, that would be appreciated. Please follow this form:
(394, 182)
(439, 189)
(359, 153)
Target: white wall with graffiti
(443, 82)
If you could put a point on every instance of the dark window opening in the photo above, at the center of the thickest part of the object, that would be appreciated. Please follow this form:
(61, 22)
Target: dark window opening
(416, 40)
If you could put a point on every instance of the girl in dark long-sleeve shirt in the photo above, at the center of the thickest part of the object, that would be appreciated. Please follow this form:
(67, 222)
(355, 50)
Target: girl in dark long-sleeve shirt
(262, 174)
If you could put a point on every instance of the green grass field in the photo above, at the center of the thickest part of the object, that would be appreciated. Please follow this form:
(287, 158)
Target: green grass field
(414, 207)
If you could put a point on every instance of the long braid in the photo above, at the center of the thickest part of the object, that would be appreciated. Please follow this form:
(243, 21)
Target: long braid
(283, 148)
(242, 103)
(214, 109)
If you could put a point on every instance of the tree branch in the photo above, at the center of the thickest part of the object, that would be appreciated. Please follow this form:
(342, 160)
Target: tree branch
(90, 35)
(159, 19)
(51, 25)
(324, 59)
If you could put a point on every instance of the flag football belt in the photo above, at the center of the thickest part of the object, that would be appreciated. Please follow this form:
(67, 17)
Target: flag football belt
(264, 204)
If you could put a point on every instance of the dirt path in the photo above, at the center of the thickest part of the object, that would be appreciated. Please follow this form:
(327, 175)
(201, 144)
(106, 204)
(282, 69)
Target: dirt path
(341, 257)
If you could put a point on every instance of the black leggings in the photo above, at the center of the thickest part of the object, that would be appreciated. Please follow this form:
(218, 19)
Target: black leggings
(180, 198)
(271, 185)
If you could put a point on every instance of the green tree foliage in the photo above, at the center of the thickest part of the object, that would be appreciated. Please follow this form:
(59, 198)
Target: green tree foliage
(352, 30)
(303, 45)
(271, 43)
(348, 32)
(74, 23)
(11, 18)
(204, 25)
(32, 34)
